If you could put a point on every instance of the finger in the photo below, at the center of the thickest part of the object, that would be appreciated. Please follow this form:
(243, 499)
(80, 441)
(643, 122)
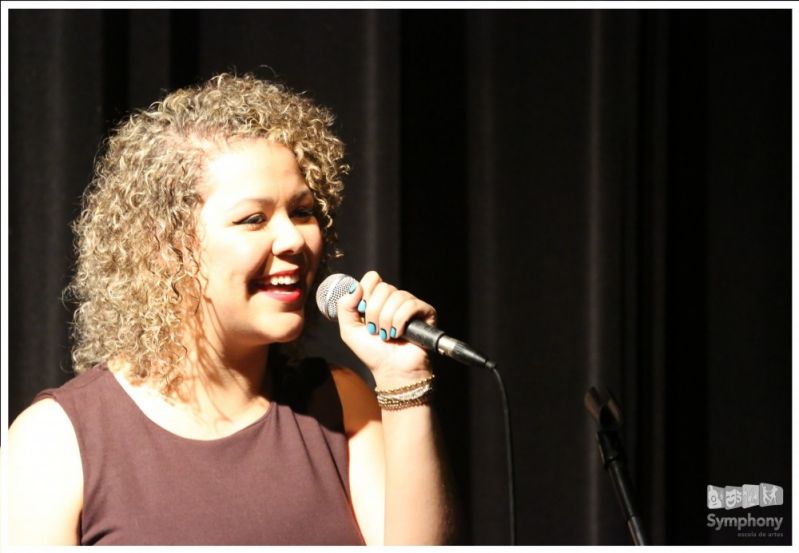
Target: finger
(413, 309)
(347, 306)
(368, 283)
(374, 307)
(387, 329)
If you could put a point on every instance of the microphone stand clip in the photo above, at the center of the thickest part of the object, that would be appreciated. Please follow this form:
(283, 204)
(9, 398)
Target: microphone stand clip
(607, 415)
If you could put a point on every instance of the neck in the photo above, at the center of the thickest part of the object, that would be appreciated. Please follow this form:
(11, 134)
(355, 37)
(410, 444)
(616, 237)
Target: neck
(222, 385)
(213, 396)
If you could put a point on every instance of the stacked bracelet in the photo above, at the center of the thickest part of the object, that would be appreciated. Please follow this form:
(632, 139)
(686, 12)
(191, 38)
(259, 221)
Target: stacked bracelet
(418, 393)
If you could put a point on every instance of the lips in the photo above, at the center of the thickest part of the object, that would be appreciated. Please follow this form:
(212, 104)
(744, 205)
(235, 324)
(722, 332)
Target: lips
(283, 286)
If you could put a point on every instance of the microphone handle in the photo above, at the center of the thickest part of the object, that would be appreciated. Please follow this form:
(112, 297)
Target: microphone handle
(423, 335)
(432, 338)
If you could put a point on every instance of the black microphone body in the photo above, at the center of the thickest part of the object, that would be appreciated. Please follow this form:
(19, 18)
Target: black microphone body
(417, 332)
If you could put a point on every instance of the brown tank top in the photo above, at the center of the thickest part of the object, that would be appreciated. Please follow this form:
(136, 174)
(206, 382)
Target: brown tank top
(282, 480)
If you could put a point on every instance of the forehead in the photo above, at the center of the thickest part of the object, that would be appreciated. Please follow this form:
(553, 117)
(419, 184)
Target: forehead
(252, 167)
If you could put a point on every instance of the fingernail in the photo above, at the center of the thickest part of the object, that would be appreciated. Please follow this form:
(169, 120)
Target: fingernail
(383, 335)
(362, 307)
(393, 332)
(372, 328)
(353, 287)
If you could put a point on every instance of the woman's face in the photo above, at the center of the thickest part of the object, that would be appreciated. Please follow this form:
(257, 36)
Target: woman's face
(260, 245)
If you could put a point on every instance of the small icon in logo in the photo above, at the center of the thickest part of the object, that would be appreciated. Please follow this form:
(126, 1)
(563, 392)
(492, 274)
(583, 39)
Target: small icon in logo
(751, 495)
(714, 497)
(770, 494)
(733, 497)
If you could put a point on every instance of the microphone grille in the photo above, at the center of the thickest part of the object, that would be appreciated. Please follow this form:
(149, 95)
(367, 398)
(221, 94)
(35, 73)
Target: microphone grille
(329, 292)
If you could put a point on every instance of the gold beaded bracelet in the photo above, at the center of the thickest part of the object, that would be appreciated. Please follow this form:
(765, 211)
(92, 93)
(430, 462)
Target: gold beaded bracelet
(417, 393)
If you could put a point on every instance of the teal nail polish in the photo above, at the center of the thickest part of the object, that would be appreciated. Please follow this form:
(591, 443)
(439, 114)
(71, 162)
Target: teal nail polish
(383, 335)
(393, 332)
(372, 328)
(353, 287)
(362, 307)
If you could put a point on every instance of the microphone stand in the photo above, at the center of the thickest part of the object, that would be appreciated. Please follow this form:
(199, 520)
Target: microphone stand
(607, 415)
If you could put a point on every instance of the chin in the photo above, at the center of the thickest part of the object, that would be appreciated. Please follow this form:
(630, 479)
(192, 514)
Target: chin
(287, 328)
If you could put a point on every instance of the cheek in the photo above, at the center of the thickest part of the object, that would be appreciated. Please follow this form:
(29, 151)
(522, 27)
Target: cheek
(231, 257)
(314, 241)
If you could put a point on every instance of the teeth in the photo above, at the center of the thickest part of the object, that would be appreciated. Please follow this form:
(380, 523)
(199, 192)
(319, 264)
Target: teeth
(283, 280)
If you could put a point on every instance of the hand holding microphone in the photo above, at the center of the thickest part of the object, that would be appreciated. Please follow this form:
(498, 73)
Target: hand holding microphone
(393, 316)
(372, 315)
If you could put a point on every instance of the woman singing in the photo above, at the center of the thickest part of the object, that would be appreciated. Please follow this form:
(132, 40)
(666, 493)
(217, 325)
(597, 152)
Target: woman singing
(193, 418)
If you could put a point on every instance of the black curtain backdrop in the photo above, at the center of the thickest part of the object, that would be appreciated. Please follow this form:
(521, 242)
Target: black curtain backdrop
(590, 197)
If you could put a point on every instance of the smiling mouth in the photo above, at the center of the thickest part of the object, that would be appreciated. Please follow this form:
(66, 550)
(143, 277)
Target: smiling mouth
(286, 288)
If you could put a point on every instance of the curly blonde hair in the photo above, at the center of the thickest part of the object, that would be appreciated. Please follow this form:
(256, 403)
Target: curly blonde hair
(137, 269)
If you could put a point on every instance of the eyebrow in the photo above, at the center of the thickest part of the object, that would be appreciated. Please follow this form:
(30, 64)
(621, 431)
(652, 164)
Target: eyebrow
(298, 197)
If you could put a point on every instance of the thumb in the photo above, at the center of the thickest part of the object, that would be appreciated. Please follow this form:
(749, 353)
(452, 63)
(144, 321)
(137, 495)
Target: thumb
(347, 306)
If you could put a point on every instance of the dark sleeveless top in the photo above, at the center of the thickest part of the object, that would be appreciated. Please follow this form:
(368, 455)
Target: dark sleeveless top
(281, 480)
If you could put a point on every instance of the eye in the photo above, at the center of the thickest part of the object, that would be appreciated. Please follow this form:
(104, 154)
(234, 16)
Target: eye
(303, 213)
(254, 219)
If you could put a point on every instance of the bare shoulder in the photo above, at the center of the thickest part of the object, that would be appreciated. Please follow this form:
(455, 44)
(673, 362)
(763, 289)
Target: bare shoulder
(45, 415)
(357, 399)
(347, 378)
(351, 387)
(43, 427)
(45, 477)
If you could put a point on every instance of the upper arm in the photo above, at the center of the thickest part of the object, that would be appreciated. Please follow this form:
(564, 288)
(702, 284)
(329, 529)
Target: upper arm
(366, 455)
(44, 477)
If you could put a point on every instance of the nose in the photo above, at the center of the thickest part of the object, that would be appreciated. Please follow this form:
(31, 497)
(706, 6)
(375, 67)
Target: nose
(288, 238)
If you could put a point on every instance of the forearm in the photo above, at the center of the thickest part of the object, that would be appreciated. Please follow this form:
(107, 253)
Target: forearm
(419, 507)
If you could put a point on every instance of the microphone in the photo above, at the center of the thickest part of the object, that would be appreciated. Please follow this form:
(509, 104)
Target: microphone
(418, 332)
